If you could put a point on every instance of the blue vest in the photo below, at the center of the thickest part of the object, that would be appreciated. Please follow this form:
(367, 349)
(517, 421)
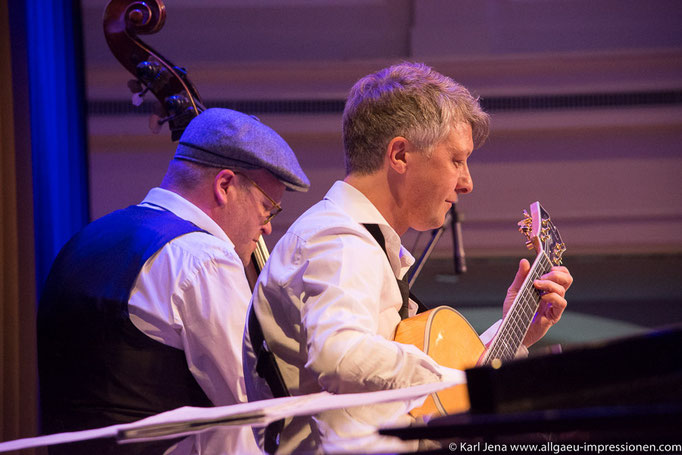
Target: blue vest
(96, 368)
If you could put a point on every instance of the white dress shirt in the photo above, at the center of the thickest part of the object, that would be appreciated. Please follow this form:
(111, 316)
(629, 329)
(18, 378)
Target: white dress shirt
(193, 295)
(328, 303)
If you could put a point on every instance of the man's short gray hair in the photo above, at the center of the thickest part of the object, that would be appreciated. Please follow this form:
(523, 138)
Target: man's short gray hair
(410, 100)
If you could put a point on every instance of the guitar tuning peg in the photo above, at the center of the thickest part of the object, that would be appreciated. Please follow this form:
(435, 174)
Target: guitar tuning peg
(525, 225)
(559, 249)
(529, 245)
(526, 221)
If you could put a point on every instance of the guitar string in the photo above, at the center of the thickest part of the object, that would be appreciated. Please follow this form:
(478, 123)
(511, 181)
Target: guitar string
(525, 310)
(507, 331)
(522, 314)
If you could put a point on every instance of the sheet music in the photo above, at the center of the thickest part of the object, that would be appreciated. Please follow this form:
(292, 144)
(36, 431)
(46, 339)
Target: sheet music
(189, 420)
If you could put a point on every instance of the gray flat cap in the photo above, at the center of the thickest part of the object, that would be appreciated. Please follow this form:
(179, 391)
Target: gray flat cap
(226, 138)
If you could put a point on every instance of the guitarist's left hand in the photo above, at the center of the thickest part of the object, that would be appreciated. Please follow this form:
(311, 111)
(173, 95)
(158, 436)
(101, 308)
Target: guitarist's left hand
(553, 286)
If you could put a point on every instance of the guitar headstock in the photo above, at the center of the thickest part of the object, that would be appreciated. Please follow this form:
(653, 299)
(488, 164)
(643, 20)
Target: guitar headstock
(541, 234)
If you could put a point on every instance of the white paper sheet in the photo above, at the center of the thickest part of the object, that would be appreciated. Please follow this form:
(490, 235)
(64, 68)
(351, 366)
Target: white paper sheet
(189, 420)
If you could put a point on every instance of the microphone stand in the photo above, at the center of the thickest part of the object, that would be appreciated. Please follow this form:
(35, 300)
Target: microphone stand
(452, 218)
(457, 243)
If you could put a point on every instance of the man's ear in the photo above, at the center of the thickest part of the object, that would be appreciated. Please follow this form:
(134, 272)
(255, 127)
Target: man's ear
(224, 183)
(396, 154)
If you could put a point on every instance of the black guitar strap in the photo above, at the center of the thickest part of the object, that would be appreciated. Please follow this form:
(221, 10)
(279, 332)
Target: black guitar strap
(267, 368)
(405, 292)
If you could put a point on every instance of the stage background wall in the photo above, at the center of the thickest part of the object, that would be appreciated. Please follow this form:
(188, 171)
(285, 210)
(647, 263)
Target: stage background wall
(586, 104)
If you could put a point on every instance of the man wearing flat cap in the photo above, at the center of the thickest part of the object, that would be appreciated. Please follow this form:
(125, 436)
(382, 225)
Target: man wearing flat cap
(144, 309)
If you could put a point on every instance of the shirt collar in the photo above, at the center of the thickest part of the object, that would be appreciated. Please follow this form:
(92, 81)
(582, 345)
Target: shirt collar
(363, 211)
(184, 209)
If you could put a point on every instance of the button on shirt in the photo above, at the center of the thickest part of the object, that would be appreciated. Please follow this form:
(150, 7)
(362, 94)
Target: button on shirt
(328, 304)
(193, 295)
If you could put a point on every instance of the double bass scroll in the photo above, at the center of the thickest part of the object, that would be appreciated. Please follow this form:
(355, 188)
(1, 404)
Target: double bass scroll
(179, 100)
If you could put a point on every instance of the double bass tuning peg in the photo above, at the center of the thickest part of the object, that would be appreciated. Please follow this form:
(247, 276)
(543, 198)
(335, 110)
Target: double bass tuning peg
(139, 90)
(175, 107)
(146, 72)
(135, 86)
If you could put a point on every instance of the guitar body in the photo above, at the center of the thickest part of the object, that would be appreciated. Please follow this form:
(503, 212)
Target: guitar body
(448, 338)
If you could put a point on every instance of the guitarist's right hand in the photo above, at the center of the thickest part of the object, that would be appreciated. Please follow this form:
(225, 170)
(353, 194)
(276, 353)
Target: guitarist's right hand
(553, 286)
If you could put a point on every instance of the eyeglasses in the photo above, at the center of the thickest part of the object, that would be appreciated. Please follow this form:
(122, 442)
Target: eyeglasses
(276, 207)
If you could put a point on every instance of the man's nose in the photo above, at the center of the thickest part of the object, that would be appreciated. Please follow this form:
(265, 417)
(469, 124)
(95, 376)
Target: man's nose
(465, 184)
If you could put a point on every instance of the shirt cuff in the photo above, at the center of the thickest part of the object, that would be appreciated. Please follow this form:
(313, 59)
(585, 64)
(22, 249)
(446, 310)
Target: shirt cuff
(453, 375)
(487, 336)
(521, 352)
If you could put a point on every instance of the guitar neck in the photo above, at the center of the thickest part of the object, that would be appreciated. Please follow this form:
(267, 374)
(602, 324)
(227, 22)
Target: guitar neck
(519, 317)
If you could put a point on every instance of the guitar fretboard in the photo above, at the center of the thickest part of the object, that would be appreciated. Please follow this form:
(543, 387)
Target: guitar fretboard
(515, 325)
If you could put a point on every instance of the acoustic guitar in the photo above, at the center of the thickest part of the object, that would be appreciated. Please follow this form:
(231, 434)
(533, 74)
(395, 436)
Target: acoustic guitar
(448, 338)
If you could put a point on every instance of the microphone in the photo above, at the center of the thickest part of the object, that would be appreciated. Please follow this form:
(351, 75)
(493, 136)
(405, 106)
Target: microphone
(458, 245)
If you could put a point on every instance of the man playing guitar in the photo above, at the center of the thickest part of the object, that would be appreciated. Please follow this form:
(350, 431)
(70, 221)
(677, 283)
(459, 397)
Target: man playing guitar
(329, 299)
